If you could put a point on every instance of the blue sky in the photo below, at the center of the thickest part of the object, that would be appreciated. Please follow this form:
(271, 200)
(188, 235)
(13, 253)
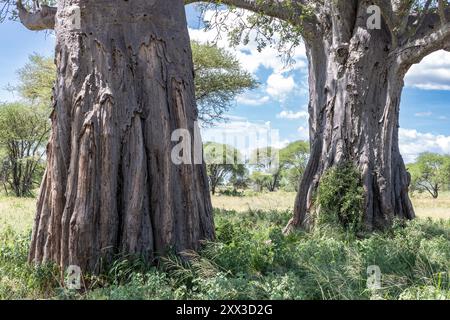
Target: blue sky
(280, 101)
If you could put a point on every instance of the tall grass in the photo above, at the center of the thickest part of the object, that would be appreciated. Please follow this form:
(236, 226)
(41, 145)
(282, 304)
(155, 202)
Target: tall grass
(252, 259)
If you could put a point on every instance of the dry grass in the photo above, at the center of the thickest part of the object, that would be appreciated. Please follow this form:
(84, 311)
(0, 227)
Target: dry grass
(424, 205)
(19, 213)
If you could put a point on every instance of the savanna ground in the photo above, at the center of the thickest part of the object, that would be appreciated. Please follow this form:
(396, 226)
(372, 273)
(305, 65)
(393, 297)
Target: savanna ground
(251, 259)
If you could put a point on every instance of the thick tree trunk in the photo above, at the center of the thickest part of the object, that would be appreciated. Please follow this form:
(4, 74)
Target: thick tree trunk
(125, 83)
(355, 90)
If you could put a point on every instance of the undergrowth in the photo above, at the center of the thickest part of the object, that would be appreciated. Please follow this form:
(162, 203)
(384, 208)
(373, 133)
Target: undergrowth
(252, 259)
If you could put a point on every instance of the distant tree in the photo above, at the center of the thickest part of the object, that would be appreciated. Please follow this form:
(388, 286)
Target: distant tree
(239, 178)
(222, 162)
(293, 160)
(288, 162)
(219, 78)
(267, 161)
(24, 132)
(262, 180)
(430, 173)
(36, 79)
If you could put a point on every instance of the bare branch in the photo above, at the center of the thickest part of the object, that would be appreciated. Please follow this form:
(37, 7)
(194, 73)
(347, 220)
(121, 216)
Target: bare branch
(418, 48)
(287, 10)
(42, 19)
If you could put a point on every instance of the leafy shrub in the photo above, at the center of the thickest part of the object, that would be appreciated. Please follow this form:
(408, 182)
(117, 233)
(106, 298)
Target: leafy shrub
(340, 197)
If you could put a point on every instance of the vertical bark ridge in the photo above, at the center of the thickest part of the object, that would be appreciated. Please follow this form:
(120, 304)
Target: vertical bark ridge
(111, 186)
(355, 90)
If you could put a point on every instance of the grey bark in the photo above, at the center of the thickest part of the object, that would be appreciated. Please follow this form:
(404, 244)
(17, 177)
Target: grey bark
(124, 84)
(356, 80)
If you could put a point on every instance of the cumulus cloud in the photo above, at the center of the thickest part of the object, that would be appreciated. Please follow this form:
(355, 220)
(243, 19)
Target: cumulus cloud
(278, 86)
(433, 73)
(251, 100)
(250, 57)
(303, 132)
(423, 114)
(291, 115)
(413, 143)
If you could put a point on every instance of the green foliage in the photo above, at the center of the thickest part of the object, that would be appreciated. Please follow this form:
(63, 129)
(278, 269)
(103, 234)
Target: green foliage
(219, 78)
(267, 163)
(340, 197)
(223, 162)
(279, 167)
(261, 180)
(18, 279)
(266, 30)
(293, 160)
(430, 173)
(36, 80)
(24, 132)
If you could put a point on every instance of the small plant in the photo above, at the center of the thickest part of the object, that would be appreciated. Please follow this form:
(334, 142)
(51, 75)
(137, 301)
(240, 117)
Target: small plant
(340, 197)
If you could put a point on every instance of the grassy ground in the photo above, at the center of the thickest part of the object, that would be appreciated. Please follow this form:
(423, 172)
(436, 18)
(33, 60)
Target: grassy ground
(16, 213)
(251, 259)
(424, 204)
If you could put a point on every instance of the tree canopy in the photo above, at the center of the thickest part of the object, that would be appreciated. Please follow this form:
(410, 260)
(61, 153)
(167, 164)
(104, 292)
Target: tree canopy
(223, 162)
(219, 77)
(430, 173)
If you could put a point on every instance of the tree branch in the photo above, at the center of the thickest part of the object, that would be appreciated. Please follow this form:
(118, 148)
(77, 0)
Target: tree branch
(442, 8)
(42, 19)
(287, 10)
(418, 48)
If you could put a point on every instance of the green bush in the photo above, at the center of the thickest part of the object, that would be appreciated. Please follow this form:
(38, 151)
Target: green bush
(340, 197)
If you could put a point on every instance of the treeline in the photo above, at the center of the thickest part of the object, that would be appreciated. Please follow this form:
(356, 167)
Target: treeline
(265, 169)
(430, 173)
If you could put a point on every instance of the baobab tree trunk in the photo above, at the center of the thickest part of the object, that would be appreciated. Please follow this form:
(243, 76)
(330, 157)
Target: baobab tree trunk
(355, 90)
(124, 84)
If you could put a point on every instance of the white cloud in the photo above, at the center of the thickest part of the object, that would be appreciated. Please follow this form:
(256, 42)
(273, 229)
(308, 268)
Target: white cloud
(423, 114)
(278, 86)
(304, 133)
(251, 100)
(413, 143)
(433, 73)
(250, 57)
(291, 115)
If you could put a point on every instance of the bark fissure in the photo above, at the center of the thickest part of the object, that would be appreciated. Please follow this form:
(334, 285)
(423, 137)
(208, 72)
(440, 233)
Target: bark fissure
(111, 186)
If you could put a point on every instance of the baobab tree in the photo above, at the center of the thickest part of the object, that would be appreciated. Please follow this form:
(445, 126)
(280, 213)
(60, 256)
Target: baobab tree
(125, 82)
(124, 85)
(356, 76)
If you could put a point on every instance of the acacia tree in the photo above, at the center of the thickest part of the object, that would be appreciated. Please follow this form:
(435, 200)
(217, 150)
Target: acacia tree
(23, 133)
(125, 82)
(222, 162)
(293, 159)
(219, 78)
(430, 173)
